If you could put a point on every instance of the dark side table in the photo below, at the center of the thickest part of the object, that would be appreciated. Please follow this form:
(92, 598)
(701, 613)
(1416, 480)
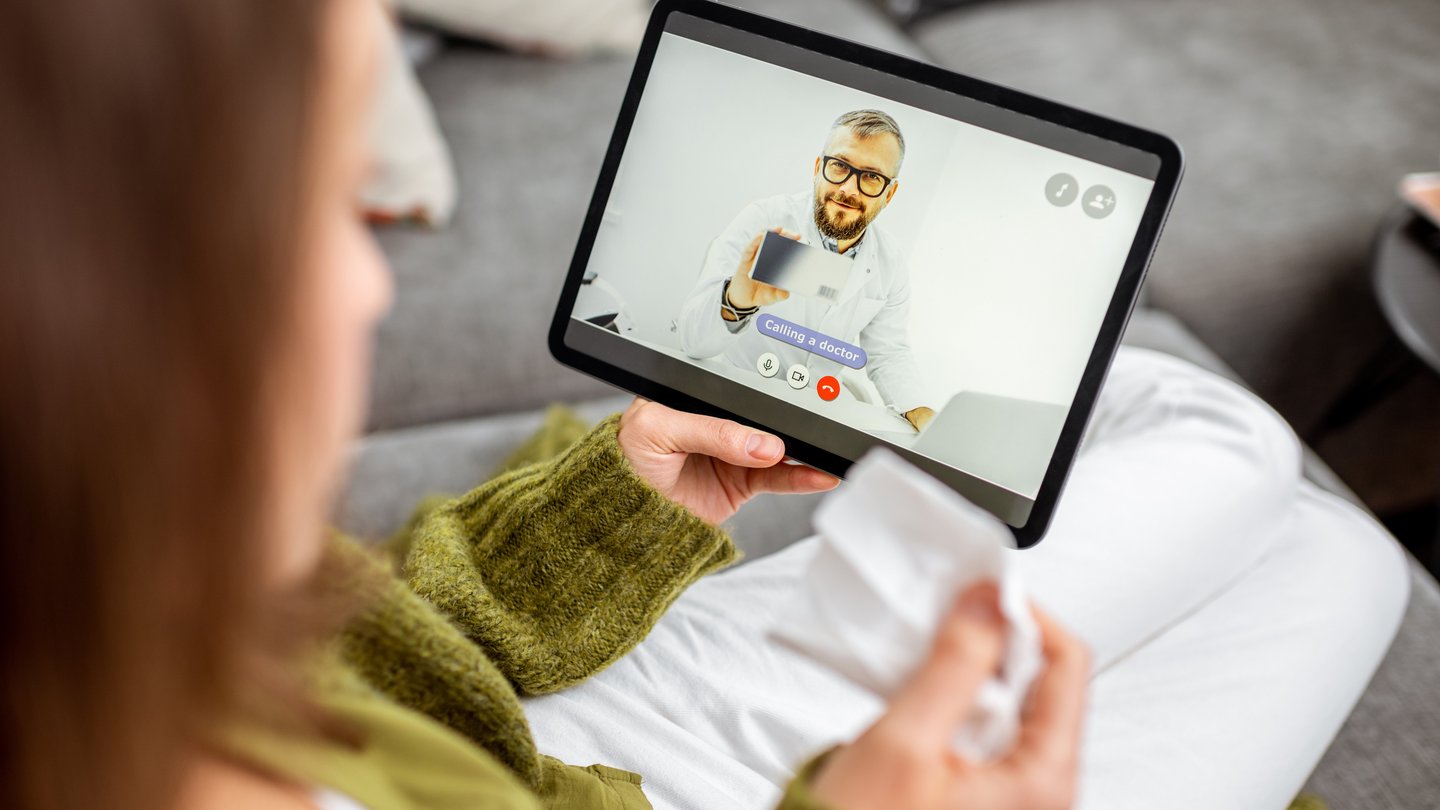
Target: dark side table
(1405, 277)
(1406, 272)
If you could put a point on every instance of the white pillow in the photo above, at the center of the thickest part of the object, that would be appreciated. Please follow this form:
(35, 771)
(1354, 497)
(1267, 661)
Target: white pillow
(414, 176)
(559, 27)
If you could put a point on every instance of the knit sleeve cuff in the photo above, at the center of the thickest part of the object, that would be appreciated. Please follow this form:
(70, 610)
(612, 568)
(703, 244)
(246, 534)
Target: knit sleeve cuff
(799, 794)
(559, 568)
(594, 484)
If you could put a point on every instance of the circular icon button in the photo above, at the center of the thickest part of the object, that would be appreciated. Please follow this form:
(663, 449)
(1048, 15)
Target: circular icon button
(1098, 202)
(797, 375)
(768, 364)
(1062, 189)
(827, 387)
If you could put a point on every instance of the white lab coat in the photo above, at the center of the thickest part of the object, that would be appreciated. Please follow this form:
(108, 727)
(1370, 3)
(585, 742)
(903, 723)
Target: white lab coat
(873, 311)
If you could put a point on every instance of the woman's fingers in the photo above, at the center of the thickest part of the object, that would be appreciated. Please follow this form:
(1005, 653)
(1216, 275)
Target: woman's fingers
(789, 479)
(1050, 727)
(965, 654)
(666, 430)
(906, 759)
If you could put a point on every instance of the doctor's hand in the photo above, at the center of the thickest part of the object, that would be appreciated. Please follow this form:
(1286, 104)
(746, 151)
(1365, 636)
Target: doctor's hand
(744, 292)
(707, 465)
(907, 760)
(920, 417)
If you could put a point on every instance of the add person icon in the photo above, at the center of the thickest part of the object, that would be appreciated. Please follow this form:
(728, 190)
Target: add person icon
(1099, 202)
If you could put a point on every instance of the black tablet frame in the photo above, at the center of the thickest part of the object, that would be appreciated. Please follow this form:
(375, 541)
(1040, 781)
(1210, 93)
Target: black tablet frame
(1117, 314)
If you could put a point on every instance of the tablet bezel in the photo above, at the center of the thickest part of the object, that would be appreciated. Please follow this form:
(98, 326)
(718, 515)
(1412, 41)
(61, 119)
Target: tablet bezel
(1117, 312)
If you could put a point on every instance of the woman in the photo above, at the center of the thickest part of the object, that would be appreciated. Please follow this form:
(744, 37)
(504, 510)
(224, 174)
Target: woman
(188, 298)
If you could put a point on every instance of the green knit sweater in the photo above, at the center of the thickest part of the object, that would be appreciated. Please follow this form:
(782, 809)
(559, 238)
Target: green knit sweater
(530, 583)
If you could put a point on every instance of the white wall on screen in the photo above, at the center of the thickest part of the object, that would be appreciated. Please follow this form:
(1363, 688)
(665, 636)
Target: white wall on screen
(1009, 290)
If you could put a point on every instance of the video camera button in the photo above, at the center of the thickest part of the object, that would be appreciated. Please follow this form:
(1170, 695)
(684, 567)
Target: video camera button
(797, 375)
(768, 364)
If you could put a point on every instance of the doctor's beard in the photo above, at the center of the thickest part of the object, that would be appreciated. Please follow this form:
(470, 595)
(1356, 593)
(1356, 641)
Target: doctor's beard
(835, 230)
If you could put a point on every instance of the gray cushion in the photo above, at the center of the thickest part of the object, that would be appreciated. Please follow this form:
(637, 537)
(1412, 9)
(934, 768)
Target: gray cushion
(467, 332)
(1387, 755)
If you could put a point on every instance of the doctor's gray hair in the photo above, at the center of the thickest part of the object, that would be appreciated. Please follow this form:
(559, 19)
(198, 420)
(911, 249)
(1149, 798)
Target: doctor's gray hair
(867, 123)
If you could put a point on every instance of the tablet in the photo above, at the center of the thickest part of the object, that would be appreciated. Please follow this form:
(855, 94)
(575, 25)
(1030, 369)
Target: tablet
(961, 258)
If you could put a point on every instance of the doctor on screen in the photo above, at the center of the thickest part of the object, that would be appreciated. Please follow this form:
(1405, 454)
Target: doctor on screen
(854, 179)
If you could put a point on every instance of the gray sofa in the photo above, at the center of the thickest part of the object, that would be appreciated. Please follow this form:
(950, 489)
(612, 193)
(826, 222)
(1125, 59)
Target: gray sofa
(461, 362)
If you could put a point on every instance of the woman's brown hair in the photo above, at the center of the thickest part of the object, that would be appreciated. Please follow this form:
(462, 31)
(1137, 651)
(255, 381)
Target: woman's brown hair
(152, 159)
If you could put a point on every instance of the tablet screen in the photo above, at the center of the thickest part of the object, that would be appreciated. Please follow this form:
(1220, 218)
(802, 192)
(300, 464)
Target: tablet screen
(855, 258)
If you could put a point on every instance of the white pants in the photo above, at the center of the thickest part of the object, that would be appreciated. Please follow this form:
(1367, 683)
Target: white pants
(1234, 611)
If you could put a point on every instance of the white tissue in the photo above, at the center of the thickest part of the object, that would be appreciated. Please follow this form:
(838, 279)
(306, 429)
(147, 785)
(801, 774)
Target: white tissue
(896, 548)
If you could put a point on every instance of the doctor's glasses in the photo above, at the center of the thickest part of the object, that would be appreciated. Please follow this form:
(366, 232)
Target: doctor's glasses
(870, 183)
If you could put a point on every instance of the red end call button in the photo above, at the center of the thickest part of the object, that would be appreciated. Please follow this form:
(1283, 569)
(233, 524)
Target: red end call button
(828, 388)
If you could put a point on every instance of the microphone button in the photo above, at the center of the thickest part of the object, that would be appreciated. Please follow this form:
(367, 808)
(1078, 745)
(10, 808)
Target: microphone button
(768, 364)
